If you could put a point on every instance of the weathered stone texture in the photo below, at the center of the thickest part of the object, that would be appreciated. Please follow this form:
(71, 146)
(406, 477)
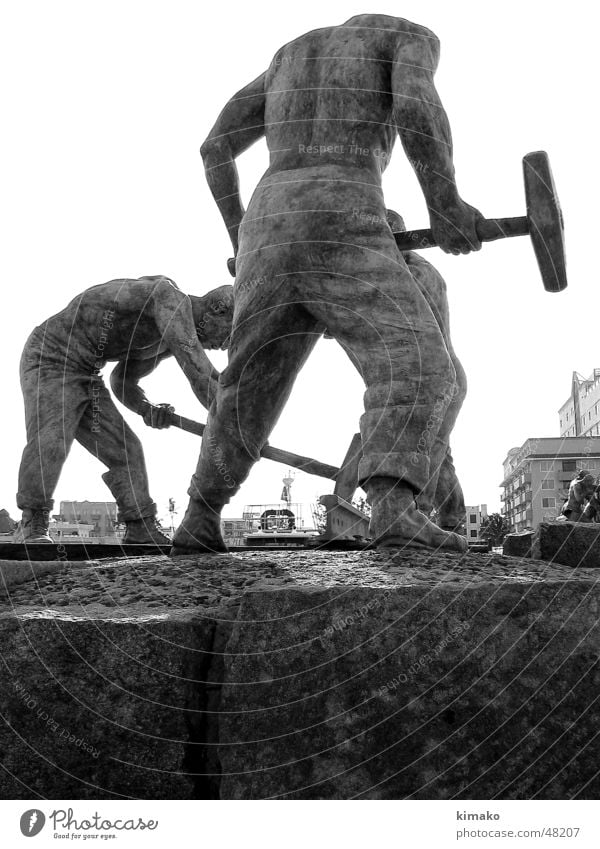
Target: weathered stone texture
(466, 693)
(518, 545)
(569, 543)
(329, 675)
(101, 708)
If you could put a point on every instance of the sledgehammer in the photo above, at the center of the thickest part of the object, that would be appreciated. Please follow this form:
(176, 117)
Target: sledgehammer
(296, 461)
(543, 223)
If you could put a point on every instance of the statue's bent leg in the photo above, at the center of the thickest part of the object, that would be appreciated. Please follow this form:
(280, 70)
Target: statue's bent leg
(55, 401)
(104, 433)
(444, 491)
(268, 348)
(389, 332)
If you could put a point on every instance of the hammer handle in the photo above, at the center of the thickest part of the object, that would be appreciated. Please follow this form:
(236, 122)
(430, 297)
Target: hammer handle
(488, 230)
(296, 461)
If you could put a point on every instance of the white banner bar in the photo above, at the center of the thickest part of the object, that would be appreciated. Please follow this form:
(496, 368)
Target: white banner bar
(301, 825)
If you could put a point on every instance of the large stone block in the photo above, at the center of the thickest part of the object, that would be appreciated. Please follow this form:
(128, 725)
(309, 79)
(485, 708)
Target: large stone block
(101, 707)
(518, 545)
(302, 675)
(444, 692)
(568, 543)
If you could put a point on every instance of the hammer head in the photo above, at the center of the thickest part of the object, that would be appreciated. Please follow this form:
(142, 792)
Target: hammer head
(545, 220)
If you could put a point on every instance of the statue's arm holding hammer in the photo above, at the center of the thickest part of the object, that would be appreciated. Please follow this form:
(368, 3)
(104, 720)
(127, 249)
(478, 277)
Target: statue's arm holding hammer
(239, 125)
(172, 310)
(124, 382)
(424, 131)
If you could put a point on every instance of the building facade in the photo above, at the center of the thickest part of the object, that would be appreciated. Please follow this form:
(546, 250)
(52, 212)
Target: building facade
(537, 477)
(101, 514)
(475, 518)
(70, 531)
(234, 531)
(580, 414)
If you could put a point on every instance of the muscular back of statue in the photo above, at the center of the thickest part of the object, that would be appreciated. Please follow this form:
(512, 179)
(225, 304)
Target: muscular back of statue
(314, 250)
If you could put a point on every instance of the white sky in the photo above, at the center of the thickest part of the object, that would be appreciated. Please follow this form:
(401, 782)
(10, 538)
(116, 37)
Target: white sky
(105, 106)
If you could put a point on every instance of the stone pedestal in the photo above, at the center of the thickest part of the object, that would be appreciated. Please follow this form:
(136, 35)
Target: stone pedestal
(518, 545)
(569, 543)
(303, 675)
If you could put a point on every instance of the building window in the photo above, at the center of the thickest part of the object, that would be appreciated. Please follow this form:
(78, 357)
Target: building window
(548, 502)
(569, 466)
(546, 465)
(549, 484)
(473, 533)
(472, 518)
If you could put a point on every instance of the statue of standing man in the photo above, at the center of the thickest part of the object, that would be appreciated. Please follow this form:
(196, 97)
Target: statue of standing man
(314, 250)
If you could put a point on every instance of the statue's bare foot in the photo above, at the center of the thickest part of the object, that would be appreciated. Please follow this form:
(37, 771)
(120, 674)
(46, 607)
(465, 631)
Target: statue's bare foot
(199, 532)
(396, 521)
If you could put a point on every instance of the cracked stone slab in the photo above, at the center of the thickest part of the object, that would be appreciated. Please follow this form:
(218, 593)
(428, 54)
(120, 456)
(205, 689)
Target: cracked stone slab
(300, 674)
(575, 544)
(100, 707)
(487, 690)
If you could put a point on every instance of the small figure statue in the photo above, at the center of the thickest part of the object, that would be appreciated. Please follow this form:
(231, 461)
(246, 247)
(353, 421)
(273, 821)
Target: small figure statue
(591, 511)
(581, 490)
(314, 250)
(137, 323)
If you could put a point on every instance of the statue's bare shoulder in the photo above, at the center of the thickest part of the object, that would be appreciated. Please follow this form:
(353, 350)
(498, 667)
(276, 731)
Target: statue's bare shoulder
(381, 33)
(131, 292)
(388, 23)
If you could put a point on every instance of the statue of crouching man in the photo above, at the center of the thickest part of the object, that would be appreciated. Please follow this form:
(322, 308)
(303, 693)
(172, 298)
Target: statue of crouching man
(137, 323)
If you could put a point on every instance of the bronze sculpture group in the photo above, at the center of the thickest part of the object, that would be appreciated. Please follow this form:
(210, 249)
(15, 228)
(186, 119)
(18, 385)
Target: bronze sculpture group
(137, 324)
(330, 107)
(314, 252)
(583, 500)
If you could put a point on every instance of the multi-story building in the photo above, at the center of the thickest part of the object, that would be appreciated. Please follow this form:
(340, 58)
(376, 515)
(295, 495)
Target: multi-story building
(475, 518)
(101, 514)
(234, 531)
(580, 415)
(537, 477)
(71, 531)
